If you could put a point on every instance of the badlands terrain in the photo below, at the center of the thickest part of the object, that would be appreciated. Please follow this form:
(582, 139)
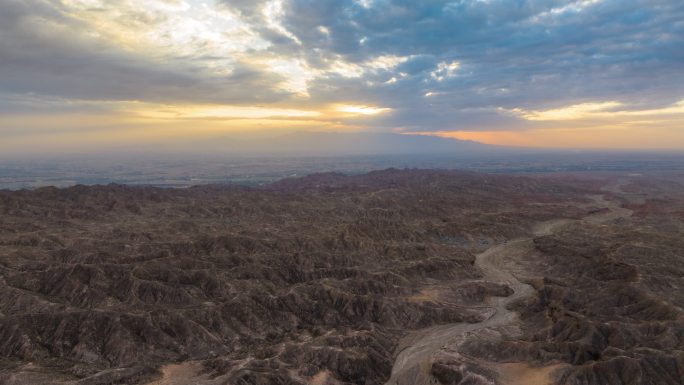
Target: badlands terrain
(391, 277)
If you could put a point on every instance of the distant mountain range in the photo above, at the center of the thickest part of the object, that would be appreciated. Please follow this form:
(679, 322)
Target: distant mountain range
(362, 143)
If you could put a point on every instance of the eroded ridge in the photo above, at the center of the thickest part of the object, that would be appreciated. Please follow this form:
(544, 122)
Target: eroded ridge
(335, 280)
(424, 353)
(306, 280)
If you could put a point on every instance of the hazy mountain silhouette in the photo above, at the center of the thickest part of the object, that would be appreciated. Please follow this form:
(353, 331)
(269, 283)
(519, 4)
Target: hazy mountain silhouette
(362, 143)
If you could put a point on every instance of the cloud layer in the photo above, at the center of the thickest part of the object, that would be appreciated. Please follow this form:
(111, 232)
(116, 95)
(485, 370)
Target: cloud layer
(429, 66)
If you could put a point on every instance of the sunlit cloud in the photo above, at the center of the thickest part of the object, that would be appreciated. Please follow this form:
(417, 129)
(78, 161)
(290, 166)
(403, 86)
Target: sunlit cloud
(364, 3)
(360, 110)
(596, 110)
(347, 69)
(223, 112)
(157, 27)
(296, 74)
(574, 6)
(274, 13)
(445, 70)
(387, 62)
(577, 111)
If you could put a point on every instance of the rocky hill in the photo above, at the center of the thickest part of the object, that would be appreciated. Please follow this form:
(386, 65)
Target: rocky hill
(323, 279)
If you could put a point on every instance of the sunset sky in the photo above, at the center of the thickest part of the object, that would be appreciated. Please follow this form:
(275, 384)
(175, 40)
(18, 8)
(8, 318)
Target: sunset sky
(85, 74)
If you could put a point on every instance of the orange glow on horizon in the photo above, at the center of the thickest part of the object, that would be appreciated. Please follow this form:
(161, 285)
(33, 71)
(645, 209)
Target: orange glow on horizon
(666, 138)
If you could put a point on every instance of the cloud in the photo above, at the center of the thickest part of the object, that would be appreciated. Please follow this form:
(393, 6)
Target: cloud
(361, 110)
(62, 52)
(432, 65)
(603, 110)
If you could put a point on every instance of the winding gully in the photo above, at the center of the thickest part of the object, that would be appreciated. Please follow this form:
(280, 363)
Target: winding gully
(412, 364)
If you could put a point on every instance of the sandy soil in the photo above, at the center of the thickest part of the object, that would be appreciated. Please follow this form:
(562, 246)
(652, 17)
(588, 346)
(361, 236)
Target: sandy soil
(321, 378)
(523, 374)
(178, 374)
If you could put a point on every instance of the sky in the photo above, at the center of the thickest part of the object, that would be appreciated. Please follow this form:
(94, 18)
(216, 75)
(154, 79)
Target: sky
(85, 75)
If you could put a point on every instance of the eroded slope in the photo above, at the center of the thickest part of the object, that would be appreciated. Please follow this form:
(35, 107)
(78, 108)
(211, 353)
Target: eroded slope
(313, 280)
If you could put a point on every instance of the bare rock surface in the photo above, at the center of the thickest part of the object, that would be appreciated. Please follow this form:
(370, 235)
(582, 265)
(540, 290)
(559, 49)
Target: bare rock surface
(333, 279)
